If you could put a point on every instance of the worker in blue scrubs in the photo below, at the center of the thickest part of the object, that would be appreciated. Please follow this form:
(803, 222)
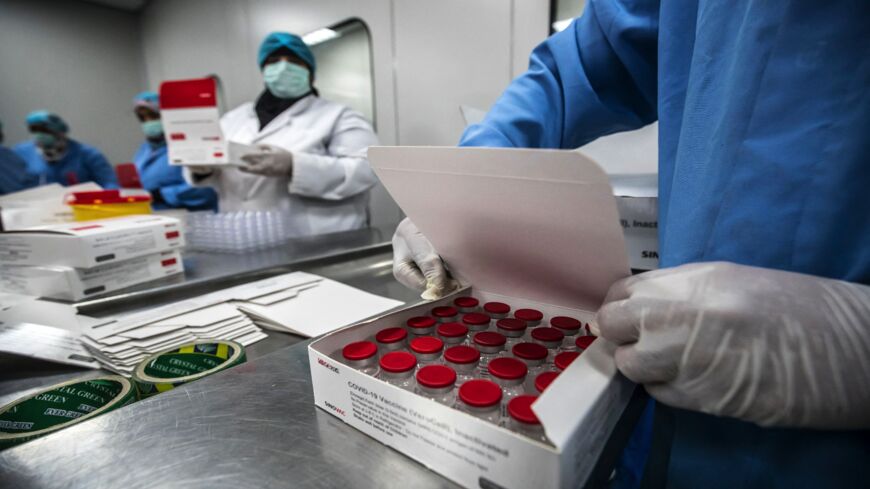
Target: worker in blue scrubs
(164, 181)
(13, 170)
(53, 157)
(755, 335)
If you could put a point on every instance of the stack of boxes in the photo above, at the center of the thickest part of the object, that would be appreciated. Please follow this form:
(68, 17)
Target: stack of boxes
(75, 261)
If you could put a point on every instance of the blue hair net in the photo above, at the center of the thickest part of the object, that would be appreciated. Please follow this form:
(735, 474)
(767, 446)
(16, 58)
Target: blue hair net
(294, 43)
(149, 100)
(47, 119)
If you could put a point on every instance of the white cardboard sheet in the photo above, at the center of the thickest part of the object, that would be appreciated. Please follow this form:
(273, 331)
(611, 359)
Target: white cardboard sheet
(536, 224)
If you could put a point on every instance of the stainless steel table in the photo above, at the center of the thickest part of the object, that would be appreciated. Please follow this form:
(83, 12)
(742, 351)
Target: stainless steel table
(252, 426)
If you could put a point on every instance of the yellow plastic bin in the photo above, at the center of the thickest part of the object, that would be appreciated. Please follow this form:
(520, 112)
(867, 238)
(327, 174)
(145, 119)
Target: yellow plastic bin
(103, 204)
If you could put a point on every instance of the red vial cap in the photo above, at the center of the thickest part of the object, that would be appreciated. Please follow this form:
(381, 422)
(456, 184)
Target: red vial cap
(489, 338)
(398, 362)
(452, 330)
(583, 342)
(520, 409)
(391, 335)
(444, 312)
(480, 393)
(436, 376)
(543, 380)
(475, 318)
(566, 323)
(547, 334)
(462, 354)
(421, 322)
(496, 308)
(511, 324)
(426, 344)
(359, 350)
(466, 302)
(507, 368)
(530, 351)
(529, 314)
(565, 358)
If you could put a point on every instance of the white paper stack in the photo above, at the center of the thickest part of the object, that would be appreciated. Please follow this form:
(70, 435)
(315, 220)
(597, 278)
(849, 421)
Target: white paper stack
(120, 346)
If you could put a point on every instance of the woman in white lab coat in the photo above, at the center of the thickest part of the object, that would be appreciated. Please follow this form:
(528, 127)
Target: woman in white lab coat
(312, 152)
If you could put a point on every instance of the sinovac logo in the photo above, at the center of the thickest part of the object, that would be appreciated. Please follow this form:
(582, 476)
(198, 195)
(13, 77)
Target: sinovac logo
(334, 407)
(327, 365)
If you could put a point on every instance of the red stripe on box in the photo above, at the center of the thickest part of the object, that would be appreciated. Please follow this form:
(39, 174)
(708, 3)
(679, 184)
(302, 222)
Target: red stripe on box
(92, 226)
(188, 94)
(172, 234)
(169, 262)
(177, 136)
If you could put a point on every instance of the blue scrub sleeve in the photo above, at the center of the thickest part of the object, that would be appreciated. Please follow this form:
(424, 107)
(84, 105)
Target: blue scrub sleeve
(597, 77)
(183, 195)
(101, 171)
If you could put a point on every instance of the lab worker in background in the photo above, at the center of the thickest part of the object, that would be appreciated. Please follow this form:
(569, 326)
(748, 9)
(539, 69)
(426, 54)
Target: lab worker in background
(754, 336)
(13, 170)
(164, 181)
(311, 161)
(53, 157)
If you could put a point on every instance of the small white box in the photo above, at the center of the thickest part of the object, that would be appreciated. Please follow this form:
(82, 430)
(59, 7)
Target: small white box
(531, 228)
(72, 284)
(91, 243)
(638, 204)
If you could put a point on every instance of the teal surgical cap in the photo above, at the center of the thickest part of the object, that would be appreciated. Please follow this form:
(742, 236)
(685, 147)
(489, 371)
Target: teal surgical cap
(47, 119)
(149, 100)
(294, 43)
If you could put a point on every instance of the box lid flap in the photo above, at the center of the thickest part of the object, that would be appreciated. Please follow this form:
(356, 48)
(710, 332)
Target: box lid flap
(536, 224)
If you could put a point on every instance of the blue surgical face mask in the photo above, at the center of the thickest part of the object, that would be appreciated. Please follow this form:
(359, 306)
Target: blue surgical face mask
(152, 129)
(45, 140)
(287, 80)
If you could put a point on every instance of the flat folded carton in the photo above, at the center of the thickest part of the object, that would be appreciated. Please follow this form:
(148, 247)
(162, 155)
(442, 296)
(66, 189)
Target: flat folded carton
(532, 228)
(91, 243)
(73, 284)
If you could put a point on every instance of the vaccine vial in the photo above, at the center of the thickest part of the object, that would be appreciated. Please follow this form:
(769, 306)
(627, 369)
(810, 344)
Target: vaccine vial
(466, 304)
(445, 314)
(427, 349)
(544, 379)
(513, 329)
(490, 345)
(523, 420)
(475, 322)
(496, 310)
(482, 399)
(463, 359)
(510, 375)
(452, 333)
(583, 342)
(421, 326)
(550, 338)
(362, 355)
(532, 317)
(437, 382)
(570, 327)
(392, 339)
(534, 356)
(398, 368)
(562, 360)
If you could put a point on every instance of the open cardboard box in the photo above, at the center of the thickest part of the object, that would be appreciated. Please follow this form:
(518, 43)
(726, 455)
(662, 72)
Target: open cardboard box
(532, 228)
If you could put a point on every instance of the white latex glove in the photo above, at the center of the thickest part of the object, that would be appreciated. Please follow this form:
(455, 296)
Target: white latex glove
(270, 161)
(772, 347)
(417, 265)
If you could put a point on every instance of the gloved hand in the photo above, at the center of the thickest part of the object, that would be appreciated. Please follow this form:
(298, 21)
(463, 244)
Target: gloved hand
(417, 265)
(270, 161)
(772, 347)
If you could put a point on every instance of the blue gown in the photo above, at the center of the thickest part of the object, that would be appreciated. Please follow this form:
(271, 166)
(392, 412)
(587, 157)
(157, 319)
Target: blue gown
(763, 111)
(155, 172)
(81, 163)
(13, 172)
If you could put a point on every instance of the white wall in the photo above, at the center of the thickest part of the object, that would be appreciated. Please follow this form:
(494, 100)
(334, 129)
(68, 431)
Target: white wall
(80, 60)
(344, 70)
